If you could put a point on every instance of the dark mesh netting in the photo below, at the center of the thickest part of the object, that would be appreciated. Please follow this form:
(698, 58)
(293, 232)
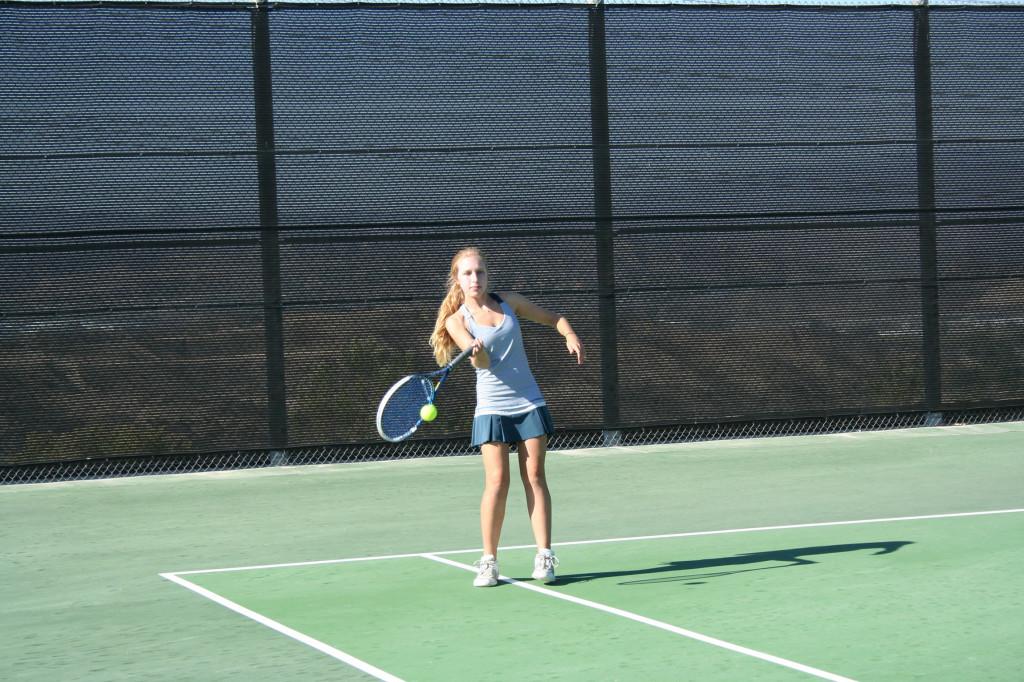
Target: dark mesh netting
(225, 229)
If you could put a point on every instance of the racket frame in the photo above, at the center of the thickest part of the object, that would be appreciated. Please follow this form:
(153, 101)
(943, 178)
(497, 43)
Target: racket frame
(430, 386)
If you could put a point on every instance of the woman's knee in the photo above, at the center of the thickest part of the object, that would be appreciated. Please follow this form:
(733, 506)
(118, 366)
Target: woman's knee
(496, 476)
(537, 482)
(531, 464)
(533, 476)
(496, 482)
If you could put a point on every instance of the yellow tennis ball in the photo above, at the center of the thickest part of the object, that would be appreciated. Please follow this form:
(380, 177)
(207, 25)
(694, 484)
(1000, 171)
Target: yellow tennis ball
(428, 412)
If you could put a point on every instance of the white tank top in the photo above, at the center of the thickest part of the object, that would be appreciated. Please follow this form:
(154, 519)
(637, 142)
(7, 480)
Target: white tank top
(507, 387)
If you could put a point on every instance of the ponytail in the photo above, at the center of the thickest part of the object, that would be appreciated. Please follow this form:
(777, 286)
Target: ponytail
(441, 341)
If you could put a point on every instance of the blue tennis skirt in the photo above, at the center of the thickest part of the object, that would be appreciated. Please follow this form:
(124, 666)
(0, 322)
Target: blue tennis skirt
(496, 428)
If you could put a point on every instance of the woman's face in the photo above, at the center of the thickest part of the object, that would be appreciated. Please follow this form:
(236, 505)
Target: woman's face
(472, 276)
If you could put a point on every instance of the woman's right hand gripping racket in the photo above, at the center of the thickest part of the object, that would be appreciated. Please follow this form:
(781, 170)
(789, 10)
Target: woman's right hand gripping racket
(398, 415)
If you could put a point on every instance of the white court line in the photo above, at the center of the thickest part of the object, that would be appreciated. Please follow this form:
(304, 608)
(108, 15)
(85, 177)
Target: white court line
(665, 536)
(816, 672)
(285, 630)
(758, 529)
(296, 564)
(436, 556)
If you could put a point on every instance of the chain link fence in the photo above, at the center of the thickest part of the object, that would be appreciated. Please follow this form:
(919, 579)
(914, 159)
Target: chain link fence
(563, 441)
(225, 228)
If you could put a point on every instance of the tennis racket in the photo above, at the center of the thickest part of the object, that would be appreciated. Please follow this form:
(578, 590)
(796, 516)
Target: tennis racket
(398, 415)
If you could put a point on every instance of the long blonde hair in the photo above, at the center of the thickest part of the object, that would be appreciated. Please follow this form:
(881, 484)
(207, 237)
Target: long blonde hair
(441, 341)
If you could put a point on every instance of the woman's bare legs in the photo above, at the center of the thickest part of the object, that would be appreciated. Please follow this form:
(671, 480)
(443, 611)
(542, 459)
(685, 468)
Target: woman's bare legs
(492, 505)
(532, 453)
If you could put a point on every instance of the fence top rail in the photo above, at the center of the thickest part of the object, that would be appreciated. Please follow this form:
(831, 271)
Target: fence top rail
(517, 3)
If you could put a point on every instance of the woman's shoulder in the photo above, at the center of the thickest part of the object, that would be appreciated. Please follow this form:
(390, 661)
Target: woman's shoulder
(458, 317)
(513, 299)
(509, 296)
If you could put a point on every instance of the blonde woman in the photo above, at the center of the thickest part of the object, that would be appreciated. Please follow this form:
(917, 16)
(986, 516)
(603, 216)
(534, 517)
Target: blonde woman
(509, 406)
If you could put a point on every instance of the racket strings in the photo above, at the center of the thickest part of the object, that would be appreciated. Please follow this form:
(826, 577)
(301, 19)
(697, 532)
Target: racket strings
(401, 413)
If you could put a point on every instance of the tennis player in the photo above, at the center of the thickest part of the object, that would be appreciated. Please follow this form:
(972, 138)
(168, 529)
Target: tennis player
(509, 406)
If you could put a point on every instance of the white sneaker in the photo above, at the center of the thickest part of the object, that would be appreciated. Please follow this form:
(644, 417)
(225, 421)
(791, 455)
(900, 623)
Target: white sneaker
(544, 567)
(486, 571)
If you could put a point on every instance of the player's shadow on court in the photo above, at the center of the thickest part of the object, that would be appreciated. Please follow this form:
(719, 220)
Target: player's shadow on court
(740, 563)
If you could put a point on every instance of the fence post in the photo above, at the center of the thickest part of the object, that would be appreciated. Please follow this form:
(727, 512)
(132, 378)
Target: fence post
(926, 209)
(603, 226)
(277, 413)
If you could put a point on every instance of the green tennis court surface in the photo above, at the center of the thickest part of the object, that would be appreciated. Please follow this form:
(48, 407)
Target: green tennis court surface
(887, 600)
(868, 556)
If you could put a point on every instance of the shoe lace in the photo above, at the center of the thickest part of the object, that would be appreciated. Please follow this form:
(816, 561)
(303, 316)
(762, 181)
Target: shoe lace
(484, 565)
(547, 562)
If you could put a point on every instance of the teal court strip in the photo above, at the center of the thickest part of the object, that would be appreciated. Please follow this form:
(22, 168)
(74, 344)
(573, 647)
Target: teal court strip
(314, 610)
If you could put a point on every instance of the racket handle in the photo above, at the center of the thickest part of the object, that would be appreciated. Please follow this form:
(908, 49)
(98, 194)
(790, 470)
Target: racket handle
(460, 357)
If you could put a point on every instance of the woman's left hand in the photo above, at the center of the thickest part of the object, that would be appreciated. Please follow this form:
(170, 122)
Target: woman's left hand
(572, 342)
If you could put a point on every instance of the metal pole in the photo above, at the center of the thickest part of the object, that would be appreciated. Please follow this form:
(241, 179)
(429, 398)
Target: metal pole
(926, 207)
(277, 413)
(603, 225)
